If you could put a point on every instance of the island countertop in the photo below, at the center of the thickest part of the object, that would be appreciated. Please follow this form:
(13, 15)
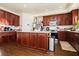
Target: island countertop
(36, 31)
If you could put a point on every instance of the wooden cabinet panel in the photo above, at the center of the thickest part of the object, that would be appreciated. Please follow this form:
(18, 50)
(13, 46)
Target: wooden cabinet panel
(43, 41)
(8, 37)
(25, 39)
(46, 20)
(16, 20)
(2, 14)
(19, 38)
(71, 38)
(33, 40)
(74, 15)
(62, 35)
(62, 19)
(9, 18)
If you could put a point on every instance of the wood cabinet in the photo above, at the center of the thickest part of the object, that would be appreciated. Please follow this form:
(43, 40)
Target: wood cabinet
(18, 38)
(7, 37)
(2, 14)
(46, 20)
(71, 38)
(43, 41)
(62, 35)
(25, 37)
(62, 19)
(9, 18)
(74, 16)
(16, 20)
(33, 40)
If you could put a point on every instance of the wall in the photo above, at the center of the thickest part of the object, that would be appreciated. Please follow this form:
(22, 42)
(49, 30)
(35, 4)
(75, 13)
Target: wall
(26, 21)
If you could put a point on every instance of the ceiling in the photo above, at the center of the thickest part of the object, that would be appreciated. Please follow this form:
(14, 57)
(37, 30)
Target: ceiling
(34, 8)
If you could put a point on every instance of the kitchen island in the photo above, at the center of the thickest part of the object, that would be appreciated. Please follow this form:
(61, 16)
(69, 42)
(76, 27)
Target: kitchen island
(34, 39)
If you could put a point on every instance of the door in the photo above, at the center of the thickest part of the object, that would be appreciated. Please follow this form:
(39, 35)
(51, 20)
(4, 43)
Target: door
(25, 39)
(18, 38)
(33, 40)
(43, 41)
(46, 20)
(16, 20)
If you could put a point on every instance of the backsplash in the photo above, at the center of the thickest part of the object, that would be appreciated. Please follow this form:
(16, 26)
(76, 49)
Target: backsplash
(10, 28)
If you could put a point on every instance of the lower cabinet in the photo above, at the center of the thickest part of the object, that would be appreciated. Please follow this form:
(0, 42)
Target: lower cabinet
(43, 41)
(33, 40)
(62, 35)
(25, 39)
(7, 37)
(72, 38)
(18, 38)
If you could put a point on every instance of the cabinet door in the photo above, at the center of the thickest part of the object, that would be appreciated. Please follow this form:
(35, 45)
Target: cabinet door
(46, 20)
(74, 15)
(18, 40)
(43, 41)
(62, 35)
(2, 14)
(9, 18)
(68, 19)
(33, 40)
(16, 20)
(25, 39)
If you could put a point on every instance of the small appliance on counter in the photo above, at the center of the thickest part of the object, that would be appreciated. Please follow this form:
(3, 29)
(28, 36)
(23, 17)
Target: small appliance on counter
(8, 29)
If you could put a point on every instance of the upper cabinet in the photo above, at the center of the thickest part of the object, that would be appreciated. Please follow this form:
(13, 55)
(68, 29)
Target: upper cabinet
(74, 16)
(46, 20)
(9, 18)
(62, 19)
(16, 20)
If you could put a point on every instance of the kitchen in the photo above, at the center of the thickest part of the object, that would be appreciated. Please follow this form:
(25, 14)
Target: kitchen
(41, 29)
